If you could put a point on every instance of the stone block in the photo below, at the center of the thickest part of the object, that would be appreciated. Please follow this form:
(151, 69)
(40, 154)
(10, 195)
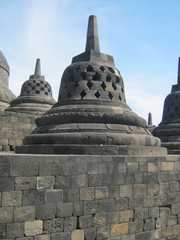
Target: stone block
(119, 229)
(153, 189)
(167, 232)
(54, 196)
(154, 166)
(91, 207)
(121, 204)
(103, 232)
(165, 211)
(126, 216)
(129, 178)
(141, 214)
(95, 180)
(53, 225)
(173, 197)
(164, 187)
(143, 236)
(149, 224)
(79, 181)
(3, 231)
(90, 233)
(125, 190)
(6, 214)
(77, 234)
(138, 178)
(162, 177)
(65, 209)
(148, 201)
(113, 218)
(33, 228)
(58, 169)
(6, 184)
(92, 168)
(135, 227)
(127, 237)
(46, 169)
(99, 219)
(13, 198)
(167, 166)
(25, 183)
(81, 168)
(42, 237)
(121, 167)
(70, 224)
(106, 205)
(87, 193)
(45, 182)
(161, 222)
(118, 179)
(171, 220)
(4, 169)
(85, 221)
(103, 168)
(176, 229)
(101, 192)
(45, 211)
(154, 212)
(62, 182)
(139, 190)
(174, 186)
(78, 208)
(71, 195)
(61, 236)
(160, 200)
(24, 213)
(136, 202)
(20, 169)
(132, 167)
(15, 230)
(33, 197)
(175, 208)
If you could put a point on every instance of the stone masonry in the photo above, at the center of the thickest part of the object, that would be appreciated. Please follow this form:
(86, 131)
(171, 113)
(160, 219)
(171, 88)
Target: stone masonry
(89, 197)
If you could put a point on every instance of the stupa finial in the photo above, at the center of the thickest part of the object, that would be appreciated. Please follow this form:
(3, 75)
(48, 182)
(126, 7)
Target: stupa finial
(92, 35)
(150, 119)
(37, 67)
(179, 72)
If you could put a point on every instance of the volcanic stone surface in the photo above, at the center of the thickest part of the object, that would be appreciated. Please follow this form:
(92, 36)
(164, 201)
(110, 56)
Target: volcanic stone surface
(91, 115)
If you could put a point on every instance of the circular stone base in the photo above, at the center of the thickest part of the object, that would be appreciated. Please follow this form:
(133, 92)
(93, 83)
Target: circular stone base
(91, 150)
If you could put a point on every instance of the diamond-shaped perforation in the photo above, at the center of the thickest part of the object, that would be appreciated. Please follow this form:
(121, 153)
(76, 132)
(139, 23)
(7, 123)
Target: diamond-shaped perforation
(111, 69)
(108, 78)
(83, 94)
(110, 95)
(97, 94)
(90, 68)
(114, 86)
(120, 97)
(122, 89)
(96, 76)
(102, 68)
(89, 84)
(118, 80)
(103, 85)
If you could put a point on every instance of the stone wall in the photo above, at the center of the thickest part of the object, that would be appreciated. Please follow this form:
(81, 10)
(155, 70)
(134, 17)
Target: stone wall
(13, 127)
(45, 197)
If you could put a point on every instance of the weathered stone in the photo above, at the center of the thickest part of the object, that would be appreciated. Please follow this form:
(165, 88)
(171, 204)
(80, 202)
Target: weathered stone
(45, 211)
(54, 196)
(65, 209)
(70, 224)
(33, 228)
(90, 233)
(77, 235)
(15, 230)
(101, 192)
(24, 213)
(6, 214)
(54, 225)
(99, 219)
(25, 183)
(87, 193)
(45, 182)
(11, 198)
(119, 229)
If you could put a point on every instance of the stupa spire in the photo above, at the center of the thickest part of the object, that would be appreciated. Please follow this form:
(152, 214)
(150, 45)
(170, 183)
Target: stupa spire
(92, 35)
(37, 67)
(179, 72)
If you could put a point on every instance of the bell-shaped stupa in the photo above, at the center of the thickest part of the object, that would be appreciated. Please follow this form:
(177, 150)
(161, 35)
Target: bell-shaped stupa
(6, 96)
(36, 95)
(91, 115)
(169, 128)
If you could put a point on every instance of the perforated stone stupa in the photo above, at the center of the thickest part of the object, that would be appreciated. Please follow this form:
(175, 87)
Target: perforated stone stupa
(36, 95)
(6, 96)
(91, 115)
(169, 128)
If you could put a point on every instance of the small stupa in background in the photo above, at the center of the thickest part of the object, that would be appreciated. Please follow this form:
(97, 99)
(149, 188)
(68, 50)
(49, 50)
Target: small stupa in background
(36, 95)
(169, 128)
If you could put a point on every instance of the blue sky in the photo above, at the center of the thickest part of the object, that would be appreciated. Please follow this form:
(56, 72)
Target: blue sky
(143, 36)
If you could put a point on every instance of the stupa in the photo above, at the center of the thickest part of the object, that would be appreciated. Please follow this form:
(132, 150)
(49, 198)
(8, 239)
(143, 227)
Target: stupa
(36, 95)
(91, 115)
(6, 96)
(169, 128)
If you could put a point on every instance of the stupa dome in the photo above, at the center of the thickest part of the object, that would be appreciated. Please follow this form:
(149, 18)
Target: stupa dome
(91, 115)
(36, 94)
